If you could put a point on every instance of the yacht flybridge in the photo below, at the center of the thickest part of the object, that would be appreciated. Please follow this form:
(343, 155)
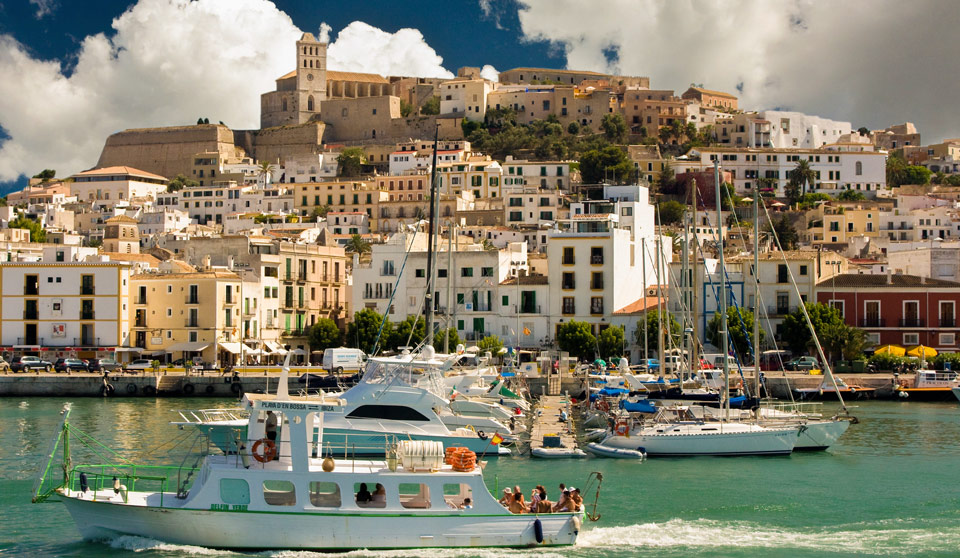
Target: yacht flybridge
(279, 492)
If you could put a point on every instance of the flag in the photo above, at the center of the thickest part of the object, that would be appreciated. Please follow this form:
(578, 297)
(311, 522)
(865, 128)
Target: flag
(453, 394)
(497, 438)
(526, 331)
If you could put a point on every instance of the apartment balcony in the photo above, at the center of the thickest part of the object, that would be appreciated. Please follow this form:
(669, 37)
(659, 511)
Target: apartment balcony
(293, 333)
(86, 341)
(88, 315)
(301, 277)
(527, 309)
(88, 290)
(140, 300)
(192, 299)
(140, 323)
(568, 285)
(31, 341)
(249, 311)
(780, 310)
(476, 335)
(873, 322)
(33, 290)
(912, 322)
(191, 322)
(948, 322)
(596, 309)
(31, 315)
(568, 310)
(596, 260)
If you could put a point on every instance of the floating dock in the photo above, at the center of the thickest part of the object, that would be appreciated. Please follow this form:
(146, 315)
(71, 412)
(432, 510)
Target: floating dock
(548, 432)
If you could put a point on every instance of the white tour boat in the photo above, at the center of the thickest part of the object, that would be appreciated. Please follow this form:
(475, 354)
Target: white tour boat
(281, 495)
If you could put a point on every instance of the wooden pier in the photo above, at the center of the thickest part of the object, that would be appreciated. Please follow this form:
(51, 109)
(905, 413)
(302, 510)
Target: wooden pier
(546, 423)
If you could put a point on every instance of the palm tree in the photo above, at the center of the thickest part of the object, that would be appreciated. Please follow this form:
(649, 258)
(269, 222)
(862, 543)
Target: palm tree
(357, 244)
(802, 175)
(265, 171)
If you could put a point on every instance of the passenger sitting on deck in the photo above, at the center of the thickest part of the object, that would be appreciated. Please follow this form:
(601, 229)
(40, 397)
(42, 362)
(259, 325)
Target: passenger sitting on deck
(517, 505)
(467, 504)
(363, 495)
(563, 415)
(564, 503)
(576, 498)
(507, 497)
(535, 500)
(379, 497)
(518, 494)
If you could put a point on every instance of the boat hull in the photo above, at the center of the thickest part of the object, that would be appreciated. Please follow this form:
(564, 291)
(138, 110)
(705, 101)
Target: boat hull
(831, 395)
(925, 394)
(818, 436)
(761, 442)
(956, 392)
(301, 531)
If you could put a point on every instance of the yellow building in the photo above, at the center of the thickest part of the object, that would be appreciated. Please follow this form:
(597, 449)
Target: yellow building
(832, 224)
(187, 315)
(479, 175)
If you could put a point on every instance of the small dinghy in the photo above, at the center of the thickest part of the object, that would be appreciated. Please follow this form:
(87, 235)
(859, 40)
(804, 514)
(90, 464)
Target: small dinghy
(606, 451)
(595, 434)
(558, 453)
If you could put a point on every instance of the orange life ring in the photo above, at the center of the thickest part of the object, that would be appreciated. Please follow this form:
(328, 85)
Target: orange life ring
(603, 406)
(622, 428)
(269, 450)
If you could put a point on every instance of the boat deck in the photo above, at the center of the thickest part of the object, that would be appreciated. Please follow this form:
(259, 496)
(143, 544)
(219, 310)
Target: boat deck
(546, 423)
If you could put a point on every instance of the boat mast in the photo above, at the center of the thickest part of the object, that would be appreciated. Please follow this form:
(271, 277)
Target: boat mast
(446, 330)
(643, 258)
(694, 356)
(684, 286)
(756, 290)
(725, 393)
(428, 298)
(660, 318)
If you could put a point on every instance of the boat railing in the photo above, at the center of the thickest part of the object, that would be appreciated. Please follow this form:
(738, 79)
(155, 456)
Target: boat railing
(203, 416)
(125, 478)
(810, 409)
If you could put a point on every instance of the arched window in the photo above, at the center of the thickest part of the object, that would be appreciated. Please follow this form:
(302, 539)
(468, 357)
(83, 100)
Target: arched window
(304, 63)
(374, 133)
(284, 103)
(859, 168)
(310, 103)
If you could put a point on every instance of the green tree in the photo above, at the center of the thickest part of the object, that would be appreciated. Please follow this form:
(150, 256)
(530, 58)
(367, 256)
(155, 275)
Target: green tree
(37, 233)
(357, 244)
(900, 172)
(180, 182)
(863, 131)
(319, 212)
(573, 128)
(670, 212)
(362, 331)
(94, 242)
(666, 181)
(46, 175)
(610, 162)
(672, 334)
(405, 108)
(350, 161)
(490, 343)
(265, 171)
(614, 127)
(431, 107)
(469, 126)
(916, 174)
(840, 340)
(802, 175)
(454, 338)
(851, 195)
(410, 332)
(785, 231)
(665, 133)
(610, 342)
(952, 180)
(262, 218)
(324, 334)
(577, 339)
(810, 199)
(767, 187)
(795, 332)
(740, 326)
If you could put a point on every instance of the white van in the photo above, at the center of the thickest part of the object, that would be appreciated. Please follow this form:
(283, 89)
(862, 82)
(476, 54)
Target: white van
(343, 359)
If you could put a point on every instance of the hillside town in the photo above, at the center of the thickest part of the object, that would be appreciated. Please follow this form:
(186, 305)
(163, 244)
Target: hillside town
(569, 207)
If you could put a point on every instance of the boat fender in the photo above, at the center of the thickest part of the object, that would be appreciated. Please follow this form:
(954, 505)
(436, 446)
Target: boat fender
(538, 530)
(481, 435)
(236, 387)
(149, 390)
(642, 450)
(188, 389)
(83, 483)
(328, 465)
(132, 388)
(269, 450)
(576, 524)
(209, 389)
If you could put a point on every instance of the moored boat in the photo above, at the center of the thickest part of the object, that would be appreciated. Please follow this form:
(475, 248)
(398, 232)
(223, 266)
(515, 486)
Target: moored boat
(927, 385)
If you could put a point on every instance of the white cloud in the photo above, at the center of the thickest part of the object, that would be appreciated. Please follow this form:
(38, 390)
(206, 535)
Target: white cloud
(169, 62)
(872, 63)
(360, 47)
(489, 72)
(44, 7)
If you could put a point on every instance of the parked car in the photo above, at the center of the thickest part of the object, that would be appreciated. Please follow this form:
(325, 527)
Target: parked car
(26, 363)
(104, 364)
(70, 365)
(802, 363)
(4, 365)
(139, 365)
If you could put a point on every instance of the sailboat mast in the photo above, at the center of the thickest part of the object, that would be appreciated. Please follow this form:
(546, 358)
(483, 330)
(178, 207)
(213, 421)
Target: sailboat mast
(725, 393)
(756, 290)
(694, 356)
(684, 286)
(446, 329)
(428, 297)
(643, 267)
(661, 321)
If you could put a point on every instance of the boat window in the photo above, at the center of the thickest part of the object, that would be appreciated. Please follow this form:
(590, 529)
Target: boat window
(372, 495)
(454, 494)
(414, 495)
(388, 412)
(325, 494)
(234, 491)
(279, 493)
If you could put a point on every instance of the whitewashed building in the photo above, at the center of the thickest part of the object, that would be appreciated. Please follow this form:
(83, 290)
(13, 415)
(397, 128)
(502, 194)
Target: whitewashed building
(110, 185)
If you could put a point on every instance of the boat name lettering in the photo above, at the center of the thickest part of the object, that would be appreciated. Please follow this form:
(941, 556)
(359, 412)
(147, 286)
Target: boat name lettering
(227, 507)
(281, 406)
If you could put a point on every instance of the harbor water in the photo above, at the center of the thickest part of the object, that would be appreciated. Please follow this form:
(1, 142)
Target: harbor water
(890, 487)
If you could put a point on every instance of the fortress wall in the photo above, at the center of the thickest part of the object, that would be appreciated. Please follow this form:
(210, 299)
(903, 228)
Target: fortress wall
(165, 151)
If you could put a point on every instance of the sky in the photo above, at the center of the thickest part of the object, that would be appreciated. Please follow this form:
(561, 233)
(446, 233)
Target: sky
(71, 73)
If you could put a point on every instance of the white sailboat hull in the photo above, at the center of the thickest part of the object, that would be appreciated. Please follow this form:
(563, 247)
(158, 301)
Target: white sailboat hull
(721, 440)
(300, 531)
(817, 436)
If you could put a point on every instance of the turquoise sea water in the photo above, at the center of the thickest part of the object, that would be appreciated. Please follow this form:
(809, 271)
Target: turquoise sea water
(891, 487)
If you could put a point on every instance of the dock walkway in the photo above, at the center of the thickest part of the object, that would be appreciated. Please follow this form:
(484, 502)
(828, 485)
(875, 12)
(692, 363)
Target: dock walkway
(546, 422)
